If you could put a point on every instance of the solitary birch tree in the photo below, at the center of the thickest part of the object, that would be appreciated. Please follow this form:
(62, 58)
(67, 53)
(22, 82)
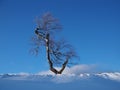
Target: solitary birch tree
(57, 52)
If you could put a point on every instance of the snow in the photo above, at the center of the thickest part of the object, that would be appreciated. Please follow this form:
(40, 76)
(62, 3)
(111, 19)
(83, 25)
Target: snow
(112, 76)
(66, 81)
(79, 77)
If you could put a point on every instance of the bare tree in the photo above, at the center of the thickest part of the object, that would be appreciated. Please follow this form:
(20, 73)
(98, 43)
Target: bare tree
(57, 52)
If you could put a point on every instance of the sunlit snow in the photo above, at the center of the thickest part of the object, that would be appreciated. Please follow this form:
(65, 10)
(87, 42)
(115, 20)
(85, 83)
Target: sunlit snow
(69, 80)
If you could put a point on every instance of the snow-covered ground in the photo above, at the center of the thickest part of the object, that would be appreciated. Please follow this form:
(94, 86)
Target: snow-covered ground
(78, 77)
(66, 81)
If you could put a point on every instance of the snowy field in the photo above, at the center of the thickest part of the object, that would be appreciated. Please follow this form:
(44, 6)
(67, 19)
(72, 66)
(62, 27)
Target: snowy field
(79, 77)
(44, 81)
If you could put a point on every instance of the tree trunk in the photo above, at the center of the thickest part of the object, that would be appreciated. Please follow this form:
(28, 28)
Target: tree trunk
(48, 55)
(49, 60)
(63, 67)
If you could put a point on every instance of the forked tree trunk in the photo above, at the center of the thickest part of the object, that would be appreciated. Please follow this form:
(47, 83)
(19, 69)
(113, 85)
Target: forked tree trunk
(49, 59)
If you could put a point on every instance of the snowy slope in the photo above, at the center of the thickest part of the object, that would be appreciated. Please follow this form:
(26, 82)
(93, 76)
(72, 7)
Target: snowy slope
(82, 81)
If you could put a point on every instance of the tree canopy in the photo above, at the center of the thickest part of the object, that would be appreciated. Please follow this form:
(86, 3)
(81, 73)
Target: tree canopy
(57, 51)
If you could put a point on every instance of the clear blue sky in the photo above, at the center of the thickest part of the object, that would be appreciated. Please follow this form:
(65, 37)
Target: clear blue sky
(91, 26)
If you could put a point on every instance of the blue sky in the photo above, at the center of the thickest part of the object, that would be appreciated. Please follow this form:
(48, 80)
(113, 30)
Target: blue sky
(91, 26)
